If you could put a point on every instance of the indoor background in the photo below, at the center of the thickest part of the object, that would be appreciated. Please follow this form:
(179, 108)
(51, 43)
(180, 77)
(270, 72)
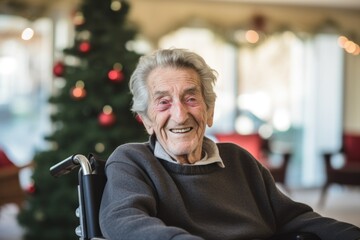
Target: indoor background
(289, 70)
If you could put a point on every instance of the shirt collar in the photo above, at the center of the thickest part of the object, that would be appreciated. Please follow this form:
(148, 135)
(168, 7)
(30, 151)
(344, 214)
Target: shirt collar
(209, 147)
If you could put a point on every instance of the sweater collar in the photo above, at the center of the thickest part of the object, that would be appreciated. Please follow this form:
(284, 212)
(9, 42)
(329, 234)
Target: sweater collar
(209, 148)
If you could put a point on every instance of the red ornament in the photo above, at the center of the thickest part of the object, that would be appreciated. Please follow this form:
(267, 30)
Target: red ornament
(58, 69)
(106, 119)
(116, 75)
(31, 189)
(84, 47)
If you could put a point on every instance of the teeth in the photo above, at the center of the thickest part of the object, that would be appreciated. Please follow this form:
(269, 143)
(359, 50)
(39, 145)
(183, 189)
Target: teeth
(182, 130)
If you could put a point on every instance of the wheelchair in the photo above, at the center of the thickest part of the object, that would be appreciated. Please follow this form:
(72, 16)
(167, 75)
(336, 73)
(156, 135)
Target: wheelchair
(91, 183)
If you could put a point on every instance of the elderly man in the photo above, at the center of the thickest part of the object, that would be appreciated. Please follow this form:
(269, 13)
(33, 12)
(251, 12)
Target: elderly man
(182, 185)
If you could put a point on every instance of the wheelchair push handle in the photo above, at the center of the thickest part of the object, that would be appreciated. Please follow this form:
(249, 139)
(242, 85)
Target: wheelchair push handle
(69, 164)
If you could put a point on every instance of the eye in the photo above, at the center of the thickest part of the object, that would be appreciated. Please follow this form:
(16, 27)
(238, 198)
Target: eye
(163, 104)
(163, 101)
(192, 101)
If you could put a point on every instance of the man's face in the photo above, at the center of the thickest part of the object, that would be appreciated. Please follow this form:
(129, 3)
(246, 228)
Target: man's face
(177, 112)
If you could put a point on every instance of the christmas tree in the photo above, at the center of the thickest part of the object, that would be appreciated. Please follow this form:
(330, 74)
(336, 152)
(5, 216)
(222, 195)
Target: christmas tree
(91, 113)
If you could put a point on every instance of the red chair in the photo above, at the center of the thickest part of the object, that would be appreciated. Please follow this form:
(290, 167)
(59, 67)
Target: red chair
(260, 149)
(10, 187)
(349, 173)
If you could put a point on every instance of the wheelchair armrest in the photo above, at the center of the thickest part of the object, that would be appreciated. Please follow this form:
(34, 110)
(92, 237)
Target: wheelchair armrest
(69, 164)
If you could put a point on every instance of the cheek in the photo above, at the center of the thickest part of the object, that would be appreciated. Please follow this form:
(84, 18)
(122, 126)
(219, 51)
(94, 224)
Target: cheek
(160, 121)
(201, 118)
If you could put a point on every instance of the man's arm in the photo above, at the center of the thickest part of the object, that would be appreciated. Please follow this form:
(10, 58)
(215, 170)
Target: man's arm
(297, 217)
(128, 208)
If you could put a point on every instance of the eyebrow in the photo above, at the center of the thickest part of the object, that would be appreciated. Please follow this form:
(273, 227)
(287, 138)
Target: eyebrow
(192, 90)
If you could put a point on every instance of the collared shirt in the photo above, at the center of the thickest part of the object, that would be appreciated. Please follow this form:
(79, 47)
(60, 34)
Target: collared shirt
(210, 149)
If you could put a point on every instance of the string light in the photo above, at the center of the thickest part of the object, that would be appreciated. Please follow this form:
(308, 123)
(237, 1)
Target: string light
(348, 45)
(84, 35)
(99, 147)
(27, 34)
(342, 40)
(79, 18)
(107, 118)
(252, 36)
(78, 92)
(107, 109)
(115, 5)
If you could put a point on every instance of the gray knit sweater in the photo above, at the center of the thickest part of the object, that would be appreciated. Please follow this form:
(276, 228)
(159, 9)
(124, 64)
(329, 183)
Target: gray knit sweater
(147, 198)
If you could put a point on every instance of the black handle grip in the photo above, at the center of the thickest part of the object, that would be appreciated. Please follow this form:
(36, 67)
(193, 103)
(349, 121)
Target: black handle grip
(64, 167)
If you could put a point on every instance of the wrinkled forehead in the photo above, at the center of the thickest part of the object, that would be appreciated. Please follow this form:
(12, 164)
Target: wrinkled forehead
(167, 77)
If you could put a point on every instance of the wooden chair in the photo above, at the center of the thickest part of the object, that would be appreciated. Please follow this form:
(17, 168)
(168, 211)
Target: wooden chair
(10, 187)
(261, 150)
(349, 173)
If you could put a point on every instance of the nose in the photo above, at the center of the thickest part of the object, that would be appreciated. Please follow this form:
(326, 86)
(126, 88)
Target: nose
(179, 112)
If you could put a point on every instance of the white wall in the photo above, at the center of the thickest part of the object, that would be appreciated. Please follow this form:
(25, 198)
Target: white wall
(352, 94)
(323, 106)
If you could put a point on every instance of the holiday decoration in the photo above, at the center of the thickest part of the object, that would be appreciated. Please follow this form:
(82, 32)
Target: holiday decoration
(78, 92)
(81, 123)
(99, 147)
(115, 5)
(107, 117)
(58, 69)
(252, 36)
(31, 189)
(84, 36)
(78, 18)
(349, 46)
(116, 75)
(84, 47)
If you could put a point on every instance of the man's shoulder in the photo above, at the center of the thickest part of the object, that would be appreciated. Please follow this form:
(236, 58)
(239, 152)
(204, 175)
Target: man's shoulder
(130, 151)
(226, 147)
(233, 152)
(133, 146)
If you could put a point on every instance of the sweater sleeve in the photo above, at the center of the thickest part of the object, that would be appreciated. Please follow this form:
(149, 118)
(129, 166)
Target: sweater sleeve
(128, 208)
(294, 216)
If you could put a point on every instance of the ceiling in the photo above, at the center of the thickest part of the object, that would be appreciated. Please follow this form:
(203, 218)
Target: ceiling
(219, 13)
(33, 9)
(344, 4)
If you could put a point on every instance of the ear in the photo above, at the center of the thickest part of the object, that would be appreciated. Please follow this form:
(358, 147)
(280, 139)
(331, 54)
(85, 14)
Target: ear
(210, 116)
(148, 124)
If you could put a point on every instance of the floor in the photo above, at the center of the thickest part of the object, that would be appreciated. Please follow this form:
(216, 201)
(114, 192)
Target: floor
(341, 203)
(9, 228)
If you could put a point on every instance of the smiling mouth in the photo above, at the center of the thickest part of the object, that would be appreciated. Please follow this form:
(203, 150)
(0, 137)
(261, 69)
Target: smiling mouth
(181, 130)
